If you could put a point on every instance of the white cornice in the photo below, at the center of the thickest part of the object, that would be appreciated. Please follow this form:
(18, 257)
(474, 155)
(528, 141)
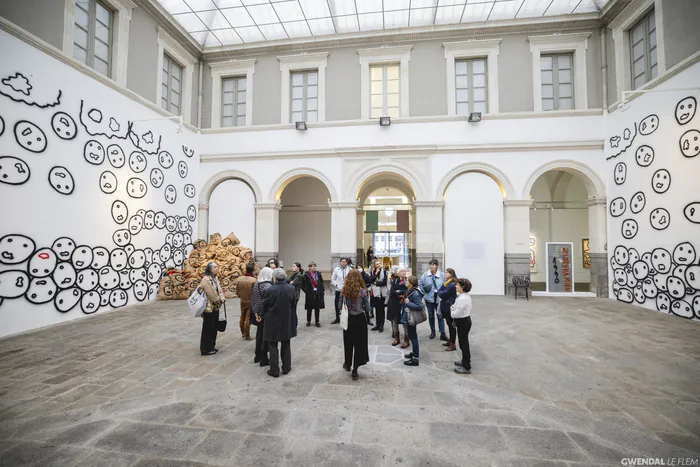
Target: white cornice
(385, 51)
(302, 58)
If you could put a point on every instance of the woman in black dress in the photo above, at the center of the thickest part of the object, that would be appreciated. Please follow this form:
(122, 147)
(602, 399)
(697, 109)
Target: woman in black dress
(355, 337)
(296, 279)
(312, 285)
(378, 279)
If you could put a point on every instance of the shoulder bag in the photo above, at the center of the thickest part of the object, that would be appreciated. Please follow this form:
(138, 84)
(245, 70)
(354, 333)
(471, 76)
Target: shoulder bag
(197, 302)
(416, 317)
(221, 325)
(344, 316)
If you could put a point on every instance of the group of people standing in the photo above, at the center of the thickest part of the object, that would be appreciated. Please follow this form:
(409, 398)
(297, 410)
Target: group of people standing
(270, 301)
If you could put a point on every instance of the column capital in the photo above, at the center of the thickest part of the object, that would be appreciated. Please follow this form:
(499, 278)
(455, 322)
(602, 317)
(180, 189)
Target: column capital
(518, 203)
(343, 204)
(596, 201)
(428, 203)
(268, 206)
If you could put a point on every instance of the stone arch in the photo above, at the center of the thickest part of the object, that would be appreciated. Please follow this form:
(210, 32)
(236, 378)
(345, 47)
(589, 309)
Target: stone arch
(594, 184)
(363, 175)
(489, 170)
(291, 175)
(211, 184)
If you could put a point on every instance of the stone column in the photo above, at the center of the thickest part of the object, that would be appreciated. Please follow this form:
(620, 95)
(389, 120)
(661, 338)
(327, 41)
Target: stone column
(203, 221)
(516, 213)
(360, 249)
(597, 232)
(267, 223)
(343, 232)
(428, 233)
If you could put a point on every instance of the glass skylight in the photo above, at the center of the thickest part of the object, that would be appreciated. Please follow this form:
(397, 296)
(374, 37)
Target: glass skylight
(216, 23)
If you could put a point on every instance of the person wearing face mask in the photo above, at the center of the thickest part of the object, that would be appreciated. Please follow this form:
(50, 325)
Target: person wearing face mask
(337, 282)
(312, 285)
(448, 295)
(430, 283)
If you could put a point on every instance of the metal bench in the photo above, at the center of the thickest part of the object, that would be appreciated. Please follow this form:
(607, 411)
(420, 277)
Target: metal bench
(521, 282)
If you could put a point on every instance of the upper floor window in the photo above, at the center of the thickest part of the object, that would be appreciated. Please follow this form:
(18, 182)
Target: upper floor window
(92, 38)
(557, 81)
(304, 95)
(471, 86)
(643, 61)
(384, 90)
(233, 101)
(171, 86)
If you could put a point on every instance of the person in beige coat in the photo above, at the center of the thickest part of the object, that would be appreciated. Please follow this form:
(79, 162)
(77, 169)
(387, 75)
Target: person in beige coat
(210, 317)
(244, 290)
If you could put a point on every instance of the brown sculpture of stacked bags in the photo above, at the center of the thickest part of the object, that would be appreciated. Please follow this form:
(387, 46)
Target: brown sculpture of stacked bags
(178, 284)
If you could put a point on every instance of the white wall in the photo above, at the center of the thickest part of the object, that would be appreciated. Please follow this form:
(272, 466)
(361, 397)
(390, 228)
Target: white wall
(47, 219)
(660, 234)
(474, 232)
(305, 224)
(231, 210)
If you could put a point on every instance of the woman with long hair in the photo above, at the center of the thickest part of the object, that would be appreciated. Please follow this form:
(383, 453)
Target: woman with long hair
(355, 337)
(397, 293)
(378, 279)
(264, 282)
(413, 303)
(296, 279)
(366, 279)
(312, 285)
(210, 317)
(448, 295)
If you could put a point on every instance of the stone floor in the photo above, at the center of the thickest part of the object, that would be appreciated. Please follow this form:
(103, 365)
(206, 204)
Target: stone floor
(556, 382)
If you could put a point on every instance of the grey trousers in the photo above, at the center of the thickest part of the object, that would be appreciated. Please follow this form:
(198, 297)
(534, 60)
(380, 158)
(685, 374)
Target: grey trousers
(275, 355)
(395, 327)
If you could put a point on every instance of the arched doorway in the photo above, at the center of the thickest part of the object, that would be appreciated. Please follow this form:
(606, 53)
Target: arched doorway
(232, 209)
(305, 223)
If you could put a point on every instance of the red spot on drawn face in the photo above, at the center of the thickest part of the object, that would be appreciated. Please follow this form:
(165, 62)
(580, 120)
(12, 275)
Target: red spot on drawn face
(44, 255)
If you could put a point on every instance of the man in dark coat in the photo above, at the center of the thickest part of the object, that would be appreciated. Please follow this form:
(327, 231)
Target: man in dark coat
(278, 313)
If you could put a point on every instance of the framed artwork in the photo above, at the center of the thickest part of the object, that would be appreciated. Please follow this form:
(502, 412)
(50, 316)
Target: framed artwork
(586, 249)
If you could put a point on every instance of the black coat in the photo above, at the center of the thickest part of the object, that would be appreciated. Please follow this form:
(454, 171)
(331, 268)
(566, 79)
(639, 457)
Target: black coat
(396, 296)
(314, 300)
(295, 280)
(278, 313)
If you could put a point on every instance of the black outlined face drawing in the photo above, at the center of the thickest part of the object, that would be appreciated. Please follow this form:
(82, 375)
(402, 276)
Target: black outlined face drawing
(178, 257)
(116, 156)
(692, 277)
(87, 280)
(170, 194)
(661, 181)
(661, 260)
(685, 110)
(65, 275)
(160, 220)
(178, 240)
(154, 273)
(148, 253)
(618, 206)
(649, 288)
(136, 188)
(82, 257)
(141, 213)
(137, 259)
(660, 219)
(108, 182)
(67, 299)
(61, 180)
(104, 296)
(663, 303)
(182, 224)
(182, 169)
(121, 237)
(13, 171)
(135, 225)
(192, 213)
(190, 190)
(118, 259)
(629, 228)
(136, 275)
(120, 212)
(620, 173)
(109, 278)
(690, 143)
(639, 295)
(152, 291)
(165, 159)
(644, 155)
(149, 220)
(94, 152)
(684, 253)
(165, 253)
(30, 137)
(157, 177)
(640, 269)
(64, 126)
(63, 247)
(625, 295)
(16, 249)
(660, 280)
(169, 238)
(137, 162)
(124, 281)
(692, 212)
(100, 258)
(90, 302)
(188, 152)
(140, 290)
(118, 298)
(13, 283)
(637, 203)
(682, 308)
(41, 290)
(649, 125)
(675, 287)
(42, 263)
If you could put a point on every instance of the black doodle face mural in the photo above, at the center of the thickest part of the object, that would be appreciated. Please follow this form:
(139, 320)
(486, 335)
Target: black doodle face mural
(61, 180)
(136, 188)
(13, 171)
(30, 137)
(660, 219)
(620, 143)
(649, 125)
(630, 227)
(182, 169)
(692, 212)
(19, 88)
(137, 162)
(618, 206)
(637, 203)
(170, 194)
(644, 155)
(120, 212)
(620, 173)
(190, 190)
(94, 152)
(188, 152)
(157, 177)
(685, 110)
(661, 181)
(690, 143)
(64, 126)
(165, 159)
(116, 156)
(108, 182)
(16, 249)
(98, 124)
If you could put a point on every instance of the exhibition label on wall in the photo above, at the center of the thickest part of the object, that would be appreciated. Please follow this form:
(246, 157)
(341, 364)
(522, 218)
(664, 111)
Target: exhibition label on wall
(560, 271)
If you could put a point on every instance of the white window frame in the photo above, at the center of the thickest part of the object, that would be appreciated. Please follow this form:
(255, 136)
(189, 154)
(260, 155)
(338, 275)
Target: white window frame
(302, 62)
(234, 68)
(563, 43)
(182, 57)
(621, 27)
(467, 50)
(385, 55)
(121, 19)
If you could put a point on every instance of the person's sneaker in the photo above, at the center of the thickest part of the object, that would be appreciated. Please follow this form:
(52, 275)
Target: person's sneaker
(462, 371)
(408, 355)
(411, 362)
(335, 321)
(274, 375)
(432, 335)
(443, 337)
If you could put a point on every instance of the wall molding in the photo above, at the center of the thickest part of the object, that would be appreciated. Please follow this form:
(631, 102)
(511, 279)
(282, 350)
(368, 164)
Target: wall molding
(221, 70)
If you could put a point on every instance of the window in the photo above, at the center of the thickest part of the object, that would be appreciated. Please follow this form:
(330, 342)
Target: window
(171, 87)
(233, 101)
(642, 40)
(557, 81)
(304, 96)
(470, 86)
(384, 91)
(92, 38)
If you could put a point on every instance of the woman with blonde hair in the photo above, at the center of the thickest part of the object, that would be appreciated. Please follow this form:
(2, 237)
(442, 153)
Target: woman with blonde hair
(353, 297)
(264, 282)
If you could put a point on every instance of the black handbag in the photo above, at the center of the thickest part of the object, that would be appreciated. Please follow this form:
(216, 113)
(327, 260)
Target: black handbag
(221, 324)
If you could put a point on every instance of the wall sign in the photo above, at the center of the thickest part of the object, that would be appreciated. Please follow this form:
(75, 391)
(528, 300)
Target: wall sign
(586, 250)
(560, 267)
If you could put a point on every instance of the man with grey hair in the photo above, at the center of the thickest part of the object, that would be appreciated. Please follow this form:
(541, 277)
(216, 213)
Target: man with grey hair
(278, 314)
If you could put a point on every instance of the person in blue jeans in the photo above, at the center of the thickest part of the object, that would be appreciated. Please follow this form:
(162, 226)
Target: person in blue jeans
(413, 302)
(430, 283)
